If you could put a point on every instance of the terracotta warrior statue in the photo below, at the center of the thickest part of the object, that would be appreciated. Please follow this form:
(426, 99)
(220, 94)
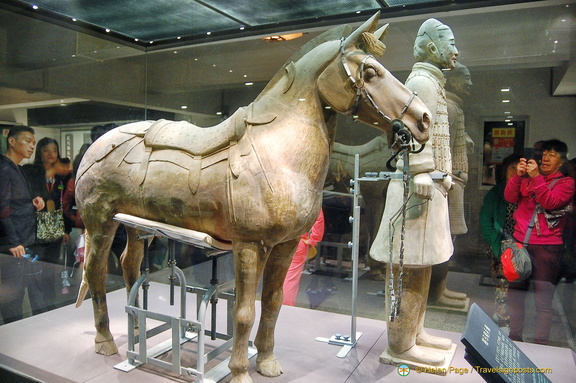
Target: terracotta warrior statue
(458, 84)
(426, 240)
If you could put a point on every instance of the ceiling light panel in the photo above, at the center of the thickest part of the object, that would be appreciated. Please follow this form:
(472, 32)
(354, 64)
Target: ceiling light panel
(257, 13)
(146, 20)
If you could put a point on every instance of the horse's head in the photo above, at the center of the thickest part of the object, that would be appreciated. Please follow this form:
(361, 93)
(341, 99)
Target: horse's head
(356, 84)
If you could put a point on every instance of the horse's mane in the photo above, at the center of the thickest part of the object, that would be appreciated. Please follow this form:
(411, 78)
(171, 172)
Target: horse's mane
(335, 33)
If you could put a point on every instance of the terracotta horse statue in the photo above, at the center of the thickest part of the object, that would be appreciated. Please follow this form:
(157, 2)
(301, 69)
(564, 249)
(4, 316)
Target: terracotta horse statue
(254, 181)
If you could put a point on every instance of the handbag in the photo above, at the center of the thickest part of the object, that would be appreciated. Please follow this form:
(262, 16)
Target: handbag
(49, 226)
(516, 263)
(312, 251)
(50, 223)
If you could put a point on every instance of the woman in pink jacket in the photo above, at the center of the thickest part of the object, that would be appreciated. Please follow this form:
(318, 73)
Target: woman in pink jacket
(542, 188)
(308, 240)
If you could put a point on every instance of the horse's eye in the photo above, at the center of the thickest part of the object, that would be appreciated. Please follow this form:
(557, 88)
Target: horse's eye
(369, 73)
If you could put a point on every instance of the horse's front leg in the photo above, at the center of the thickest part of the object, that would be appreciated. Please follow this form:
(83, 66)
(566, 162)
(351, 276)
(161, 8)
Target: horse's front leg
(247, 269)
(272, 294)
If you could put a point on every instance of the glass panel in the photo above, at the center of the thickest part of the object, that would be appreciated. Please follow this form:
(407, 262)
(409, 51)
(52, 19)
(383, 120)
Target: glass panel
(64, 82)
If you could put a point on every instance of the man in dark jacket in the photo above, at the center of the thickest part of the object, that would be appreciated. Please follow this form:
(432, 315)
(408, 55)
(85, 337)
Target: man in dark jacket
(17, 228)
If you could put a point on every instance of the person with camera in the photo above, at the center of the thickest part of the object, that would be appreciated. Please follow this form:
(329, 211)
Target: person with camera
(543, 191)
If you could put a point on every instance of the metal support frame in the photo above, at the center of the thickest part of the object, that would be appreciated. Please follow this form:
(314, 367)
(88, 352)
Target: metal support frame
(182, 330)
(349, 341)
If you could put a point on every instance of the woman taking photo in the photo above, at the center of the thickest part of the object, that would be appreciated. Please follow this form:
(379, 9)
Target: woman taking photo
(545, 190)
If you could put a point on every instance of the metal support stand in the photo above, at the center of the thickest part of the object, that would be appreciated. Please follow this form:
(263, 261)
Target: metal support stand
(349, 341)
(182, 330)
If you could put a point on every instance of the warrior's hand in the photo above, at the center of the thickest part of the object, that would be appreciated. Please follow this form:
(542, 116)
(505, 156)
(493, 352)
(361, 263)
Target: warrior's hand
(446, 185)
(423, 186)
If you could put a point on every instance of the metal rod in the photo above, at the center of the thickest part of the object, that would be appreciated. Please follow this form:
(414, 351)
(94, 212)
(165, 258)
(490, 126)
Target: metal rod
(355, 245)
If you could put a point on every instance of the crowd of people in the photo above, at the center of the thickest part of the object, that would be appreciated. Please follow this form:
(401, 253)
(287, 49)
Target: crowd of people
(44, 185)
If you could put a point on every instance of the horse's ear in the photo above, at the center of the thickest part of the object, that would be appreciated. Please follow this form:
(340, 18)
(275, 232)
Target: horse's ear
(369, 26)
(381, 33)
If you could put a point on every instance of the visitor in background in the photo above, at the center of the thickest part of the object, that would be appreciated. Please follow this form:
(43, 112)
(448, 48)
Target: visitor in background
(47, 177)
(545, 190)
(307, 241)
(18, 229)
(497, 224)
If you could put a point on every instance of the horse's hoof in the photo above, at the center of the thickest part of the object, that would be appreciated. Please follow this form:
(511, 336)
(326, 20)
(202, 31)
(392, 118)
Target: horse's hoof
(268, 366)
(106, 348)
(241, 378)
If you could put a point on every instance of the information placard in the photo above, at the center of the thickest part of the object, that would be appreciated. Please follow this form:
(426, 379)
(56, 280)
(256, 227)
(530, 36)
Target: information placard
(495, 356)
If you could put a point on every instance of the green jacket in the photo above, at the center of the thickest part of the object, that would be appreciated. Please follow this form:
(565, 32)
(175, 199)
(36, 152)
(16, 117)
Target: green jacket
(493, 217)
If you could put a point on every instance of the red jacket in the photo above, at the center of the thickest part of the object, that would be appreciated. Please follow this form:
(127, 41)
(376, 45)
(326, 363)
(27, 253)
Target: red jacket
(526, 192)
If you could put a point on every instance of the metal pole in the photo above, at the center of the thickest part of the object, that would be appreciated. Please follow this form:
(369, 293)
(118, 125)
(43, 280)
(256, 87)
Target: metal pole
(355, 244)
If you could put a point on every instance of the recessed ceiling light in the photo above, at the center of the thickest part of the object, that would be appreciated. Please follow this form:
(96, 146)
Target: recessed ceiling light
(208, 33)
(107, 30)
(34, 6)
(301, 99)
(505, 101)
(218, 113)
(184, 107)
(505, 90)
(242, 27)
(248, 83)
(73, 19)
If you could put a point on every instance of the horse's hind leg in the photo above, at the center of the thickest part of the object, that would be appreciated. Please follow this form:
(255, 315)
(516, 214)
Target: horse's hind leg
(131, 258)
(98, 243)
(274, 275)
(248, 268)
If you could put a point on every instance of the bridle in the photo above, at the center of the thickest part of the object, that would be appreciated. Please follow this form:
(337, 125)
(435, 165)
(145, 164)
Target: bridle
(359, 85)
(402, 136)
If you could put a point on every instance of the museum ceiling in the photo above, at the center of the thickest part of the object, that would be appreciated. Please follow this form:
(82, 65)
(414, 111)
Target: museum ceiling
(74, 50)
(153, 24)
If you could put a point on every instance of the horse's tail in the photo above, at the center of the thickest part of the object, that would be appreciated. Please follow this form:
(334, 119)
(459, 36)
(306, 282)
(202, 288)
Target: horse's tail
(82, 292)
(84, 287)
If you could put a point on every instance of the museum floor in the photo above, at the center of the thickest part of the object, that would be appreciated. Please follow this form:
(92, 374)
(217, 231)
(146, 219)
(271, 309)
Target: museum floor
(324, 298)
